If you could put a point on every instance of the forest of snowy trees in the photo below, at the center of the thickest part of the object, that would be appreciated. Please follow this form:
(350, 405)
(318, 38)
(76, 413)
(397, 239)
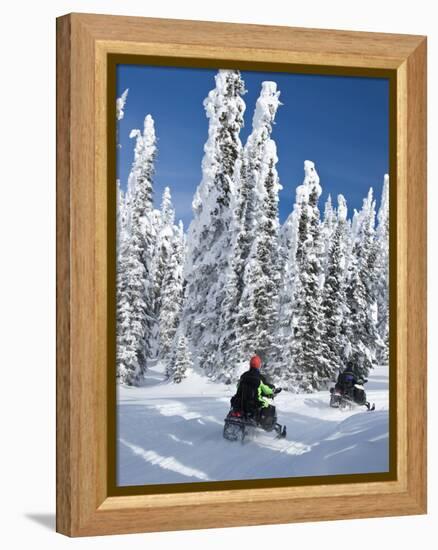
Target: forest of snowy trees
(307, 296)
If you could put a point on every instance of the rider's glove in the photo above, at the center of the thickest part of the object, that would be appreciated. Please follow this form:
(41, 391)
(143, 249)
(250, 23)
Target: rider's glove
(277, 390)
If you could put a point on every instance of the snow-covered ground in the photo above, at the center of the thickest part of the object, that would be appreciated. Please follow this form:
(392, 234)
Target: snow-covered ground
(172, 433)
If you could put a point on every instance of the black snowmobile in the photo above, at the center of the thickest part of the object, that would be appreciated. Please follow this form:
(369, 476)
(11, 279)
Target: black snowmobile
(346, 398)
(239, 422)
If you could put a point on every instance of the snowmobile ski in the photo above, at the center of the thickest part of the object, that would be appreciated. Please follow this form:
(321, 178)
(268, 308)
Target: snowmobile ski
(282, 434)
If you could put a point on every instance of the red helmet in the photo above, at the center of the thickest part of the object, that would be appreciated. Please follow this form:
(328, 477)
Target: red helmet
(255, 362)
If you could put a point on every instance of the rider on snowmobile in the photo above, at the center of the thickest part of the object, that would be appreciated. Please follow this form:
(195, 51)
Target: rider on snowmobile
(346, 380)
(252, 390)
(352, 386)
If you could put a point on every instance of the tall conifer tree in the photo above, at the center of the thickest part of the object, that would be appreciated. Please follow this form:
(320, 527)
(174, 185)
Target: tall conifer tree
(334, 293)
(363, 337)
(309, 352)
(209, 242)
(134, 308)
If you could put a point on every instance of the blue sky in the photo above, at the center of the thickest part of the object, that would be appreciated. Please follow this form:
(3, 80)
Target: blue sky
(341, 123)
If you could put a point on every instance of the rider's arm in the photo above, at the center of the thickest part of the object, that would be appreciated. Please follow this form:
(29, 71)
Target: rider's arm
(266, 381)
(266, 390)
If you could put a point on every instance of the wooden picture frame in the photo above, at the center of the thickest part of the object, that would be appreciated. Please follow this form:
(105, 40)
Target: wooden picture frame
(85, 503)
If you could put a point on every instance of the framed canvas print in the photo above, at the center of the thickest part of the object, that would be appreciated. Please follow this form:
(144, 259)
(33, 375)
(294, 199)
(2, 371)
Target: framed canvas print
(241, 281)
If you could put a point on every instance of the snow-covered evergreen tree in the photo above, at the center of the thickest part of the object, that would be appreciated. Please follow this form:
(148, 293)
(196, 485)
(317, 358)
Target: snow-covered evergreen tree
(288, 265)
(120, 104)
(120, 113)
(310, 369)
(230, 353)
(334, 293)
(120, 216)
(356, 224)
(209, 243)
(382, 266)
(255, 319)
(171, 295)
(134, 311)
(161, 256)
(180, 360)
(254, 157)
(262, 282)
(327, 228)
(120, 196)
(362, 334)
(163, 248)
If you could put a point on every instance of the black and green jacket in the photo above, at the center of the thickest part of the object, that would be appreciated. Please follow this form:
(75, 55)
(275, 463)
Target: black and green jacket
(252, 390)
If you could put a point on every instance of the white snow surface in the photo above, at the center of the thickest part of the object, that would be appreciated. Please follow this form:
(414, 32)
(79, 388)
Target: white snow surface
(172, 433)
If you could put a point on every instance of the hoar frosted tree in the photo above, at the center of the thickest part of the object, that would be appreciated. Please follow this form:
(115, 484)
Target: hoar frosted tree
(382, 264)
(334, 308)
(180, 360)
(327, 228)
(161, 258)
(260, 258)
(171, 299)
(134, 307)
(310, 369)
(209, 260)
(362, 334)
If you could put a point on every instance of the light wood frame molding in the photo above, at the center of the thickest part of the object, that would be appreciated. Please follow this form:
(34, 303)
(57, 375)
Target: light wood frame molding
(84, 506)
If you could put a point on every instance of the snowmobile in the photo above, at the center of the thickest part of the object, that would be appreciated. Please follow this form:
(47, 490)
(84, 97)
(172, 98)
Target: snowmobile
(346, 399)
(238, 423)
